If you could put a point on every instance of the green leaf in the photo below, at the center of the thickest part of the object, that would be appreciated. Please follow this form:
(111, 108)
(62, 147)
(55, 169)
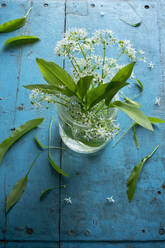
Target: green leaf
(112, 89)
(123, 74)
(19, 188)
(135, 137)
(130, 101)
(139, 84)
(95, 95)
(50, 89)
(134, 113)
(17, 134)
(13, 24)
(132, 180)
(132, 25)
(55, 75)
(55, 167)
(21, 40)
(156, 120)
(47, 190)
(83, 86)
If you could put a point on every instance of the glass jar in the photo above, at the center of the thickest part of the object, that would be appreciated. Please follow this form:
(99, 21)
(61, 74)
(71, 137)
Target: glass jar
(83, 137)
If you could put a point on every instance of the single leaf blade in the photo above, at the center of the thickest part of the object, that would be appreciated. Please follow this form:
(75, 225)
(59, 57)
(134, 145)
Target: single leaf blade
(134, 113)
(83, 85)
(156, 120)
(95, 95)
(135, 137)
(12, 25)
(55, 167)
(21, 40)
(16, 192)
(123, 74)
(112, 90)
(55, 75)
(47, 190)
(130, 24)
(17, 134)
(139, 84)
(19, 188)
(133, 178)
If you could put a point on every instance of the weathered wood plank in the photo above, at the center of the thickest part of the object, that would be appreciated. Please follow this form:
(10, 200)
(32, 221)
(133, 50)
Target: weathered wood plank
(93, 179)
(30, 219)
(112, 245)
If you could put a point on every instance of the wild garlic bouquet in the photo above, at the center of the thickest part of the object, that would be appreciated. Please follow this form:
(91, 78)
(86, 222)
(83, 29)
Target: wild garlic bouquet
(87, 100)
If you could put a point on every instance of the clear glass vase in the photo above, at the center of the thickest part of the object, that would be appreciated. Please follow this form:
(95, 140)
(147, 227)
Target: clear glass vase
(86, 138)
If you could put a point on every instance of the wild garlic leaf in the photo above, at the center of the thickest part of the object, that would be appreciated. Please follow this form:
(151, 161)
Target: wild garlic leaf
(130, 101)
(21, 40)
(95, 95)
(14, 24)
(50, 89)
(156, 120)
(139, 84)
(135, 137)
(17, 134)
(18, 189)
(16, 192)
(112, 90)
(83, 86)
(47, 190)
(55, 167)
(55, 75)
(132, 25)
(132, 180)
(134, 113)
(123, 74)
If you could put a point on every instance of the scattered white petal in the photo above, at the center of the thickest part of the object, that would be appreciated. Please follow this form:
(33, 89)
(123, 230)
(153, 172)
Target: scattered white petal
(151, 65)
(157, 101)
(110, 199)
(68, 200)
(102, 13)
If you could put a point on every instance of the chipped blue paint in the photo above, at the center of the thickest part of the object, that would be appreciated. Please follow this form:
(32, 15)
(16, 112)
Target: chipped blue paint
(90, 221)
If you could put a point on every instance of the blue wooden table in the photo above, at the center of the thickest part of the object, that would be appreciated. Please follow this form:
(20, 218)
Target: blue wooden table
(89, 222)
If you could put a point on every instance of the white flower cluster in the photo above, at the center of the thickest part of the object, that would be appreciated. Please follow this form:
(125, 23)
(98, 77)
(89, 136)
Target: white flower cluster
(81, 51)
(37, 97)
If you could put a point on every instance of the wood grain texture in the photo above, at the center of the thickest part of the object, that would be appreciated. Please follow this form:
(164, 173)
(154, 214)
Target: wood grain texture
(90, 221)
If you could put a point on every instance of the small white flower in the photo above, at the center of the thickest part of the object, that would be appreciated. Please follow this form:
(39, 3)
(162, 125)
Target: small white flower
(157, 101)
(102, 13)
(68, 200)
(110, 199)
(140, 51)
(151, 65)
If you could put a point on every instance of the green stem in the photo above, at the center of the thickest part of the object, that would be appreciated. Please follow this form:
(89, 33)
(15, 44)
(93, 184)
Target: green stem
(28, 12)
(33, 163)
(119, 56)
(123, 134)
(73, 58)
(103, 60)
(84, 55)
(70, 59)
